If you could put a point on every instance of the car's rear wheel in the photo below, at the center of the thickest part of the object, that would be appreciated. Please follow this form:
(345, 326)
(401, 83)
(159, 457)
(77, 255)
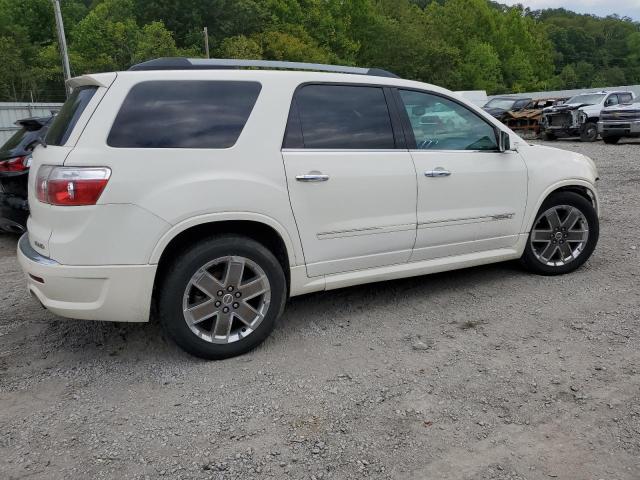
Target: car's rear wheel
(563, 236)
(222, 296)
(611, 140)
(589, 132)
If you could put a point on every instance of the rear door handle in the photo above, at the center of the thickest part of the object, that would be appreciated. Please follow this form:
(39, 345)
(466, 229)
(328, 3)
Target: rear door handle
(438, 172)
(312, 177)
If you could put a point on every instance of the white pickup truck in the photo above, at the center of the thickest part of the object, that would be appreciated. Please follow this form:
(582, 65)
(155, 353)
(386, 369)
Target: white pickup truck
(579, 116)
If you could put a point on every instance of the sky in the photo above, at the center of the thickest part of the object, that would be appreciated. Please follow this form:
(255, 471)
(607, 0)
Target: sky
(629, 8)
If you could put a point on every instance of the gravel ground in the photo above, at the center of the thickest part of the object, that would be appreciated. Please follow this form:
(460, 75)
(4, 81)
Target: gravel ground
(484, 373)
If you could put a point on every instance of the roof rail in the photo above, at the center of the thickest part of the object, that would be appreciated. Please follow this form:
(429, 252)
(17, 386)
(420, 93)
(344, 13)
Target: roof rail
(182, 63)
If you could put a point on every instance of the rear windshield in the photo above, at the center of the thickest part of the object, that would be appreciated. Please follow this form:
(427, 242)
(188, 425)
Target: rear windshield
(17, 145)
(14, 142)
(68, 116)
(183, 114)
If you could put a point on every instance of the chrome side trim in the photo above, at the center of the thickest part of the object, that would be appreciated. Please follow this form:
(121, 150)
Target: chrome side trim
(462, 221)
(29, 252)
(364, 231)
(343, 150)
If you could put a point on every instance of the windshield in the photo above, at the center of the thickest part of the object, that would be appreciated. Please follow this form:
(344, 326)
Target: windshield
(586, 99)
(501, 103)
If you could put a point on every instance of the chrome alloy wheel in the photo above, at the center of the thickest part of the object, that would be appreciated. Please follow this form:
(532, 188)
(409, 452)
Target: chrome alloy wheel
(226, 299)
(559, 235)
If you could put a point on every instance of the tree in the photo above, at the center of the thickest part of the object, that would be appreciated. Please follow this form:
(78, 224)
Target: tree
(154, 40)
(240, 46)
(569, 77)
(459, 44)
(482, 70)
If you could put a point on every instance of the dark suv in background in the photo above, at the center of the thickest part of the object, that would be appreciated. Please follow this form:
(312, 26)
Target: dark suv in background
(499, 106)
(15, 160)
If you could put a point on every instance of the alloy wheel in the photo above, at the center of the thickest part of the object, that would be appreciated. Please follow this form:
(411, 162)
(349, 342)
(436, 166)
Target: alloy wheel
(559, 235)
(226, 299)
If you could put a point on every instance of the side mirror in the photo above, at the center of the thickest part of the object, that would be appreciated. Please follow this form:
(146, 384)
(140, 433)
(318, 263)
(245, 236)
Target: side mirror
(418, 111)
(504, 141)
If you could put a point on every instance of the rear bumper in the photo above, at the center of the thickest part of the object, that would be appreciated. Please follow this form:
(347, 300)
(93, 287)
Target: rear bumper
(119, 293)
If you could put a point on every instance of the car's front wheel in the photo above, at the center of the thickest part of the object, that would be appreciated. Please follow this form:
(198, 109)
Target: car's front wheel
(564, 235)
(589, 132)
(221, 297)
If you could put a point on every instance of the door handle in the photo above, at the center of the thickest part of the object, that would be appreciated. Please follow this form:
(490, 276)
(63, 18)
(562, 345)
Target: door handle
(312, 177)
(438, 172)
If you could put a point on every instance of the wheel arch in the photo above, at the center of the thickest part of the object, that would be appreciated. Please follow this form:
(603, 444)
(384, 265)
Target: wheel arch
(260, 228)
(581, 187)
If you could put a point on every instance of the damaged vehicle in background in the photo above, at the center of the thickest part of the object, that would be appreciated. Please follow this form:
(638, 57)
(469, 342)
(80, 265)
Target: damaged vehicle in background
(499, 106)
(527, 120)
(15, 160)
(579, 116)
(618, 122)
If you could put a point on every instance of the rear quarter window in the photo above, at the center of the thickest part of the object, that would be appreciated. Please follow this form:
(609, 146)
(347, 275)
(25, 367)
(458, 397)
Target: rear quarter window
(69, 115)
(183, 114)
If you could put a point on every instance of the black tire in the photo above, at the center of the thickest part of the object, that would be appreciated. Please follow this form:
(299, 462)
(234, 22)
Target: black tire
(550, 137)
(589, 132)
(529, 258)
(611, 140)
(177, 276)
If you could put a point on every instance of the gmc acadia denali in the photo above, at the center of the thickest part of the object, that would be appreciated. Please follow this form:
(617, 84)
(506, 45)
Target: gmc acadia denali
(216, 189)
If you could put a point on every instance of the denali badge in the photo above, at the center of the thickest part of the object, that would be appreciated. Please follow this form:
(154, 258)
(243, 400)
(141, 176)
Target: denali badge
(39, 245)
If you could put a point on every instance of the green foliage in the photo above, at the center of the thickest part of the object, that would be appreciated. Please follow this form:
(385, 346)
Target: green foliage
(459, 44)
(240, 46)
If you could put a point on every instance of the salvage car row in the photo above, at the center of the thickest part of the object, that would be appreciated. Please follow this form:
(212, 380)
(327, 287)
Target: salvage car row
(611, 115)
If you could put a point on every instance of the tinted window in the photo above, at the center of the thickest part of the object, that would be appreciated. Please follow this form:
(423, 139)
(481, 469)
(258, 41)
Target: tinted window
(183, 114)
(69, 115)
(15, 141)
(344, 117)
(441, 124)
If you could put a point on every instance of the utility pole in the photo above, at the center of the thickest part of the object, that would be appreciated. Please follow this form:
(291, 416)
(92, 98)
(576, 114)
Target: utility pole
(206, 41)
(62, 44)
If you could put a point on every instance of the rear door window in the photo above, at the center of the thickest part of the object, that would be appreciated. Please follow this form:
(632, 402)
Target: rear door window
(343, 117)
(69, 115)
(625, 98)
(183, 114)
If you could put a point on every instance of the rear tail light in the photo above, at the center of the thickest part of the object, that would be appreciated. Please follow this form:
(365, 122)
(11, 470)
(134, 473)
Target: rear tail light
(18, 164)
(71, 186)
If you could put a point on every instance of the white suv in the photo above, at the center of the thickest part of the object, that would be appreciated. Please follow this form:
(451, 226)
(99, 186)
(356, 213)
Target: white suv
(215, 192)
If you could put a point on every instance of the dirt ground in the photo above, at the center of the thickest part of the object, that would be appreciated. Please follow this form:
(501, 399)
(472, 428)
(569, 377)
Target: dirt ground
(484, 373)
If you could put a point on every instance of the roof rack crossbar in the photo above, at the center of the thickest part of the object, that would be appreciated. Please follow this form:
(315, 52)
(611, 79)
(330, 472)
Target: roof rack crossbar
(182, 63)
